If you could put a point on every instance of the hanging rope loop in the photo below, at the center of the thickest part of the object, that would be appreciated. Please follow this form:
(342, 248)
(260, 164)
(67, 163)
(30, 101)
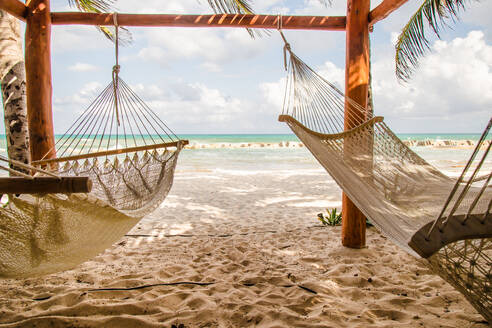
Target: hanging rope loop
(286, 48)
(287, 44)
(116, 67)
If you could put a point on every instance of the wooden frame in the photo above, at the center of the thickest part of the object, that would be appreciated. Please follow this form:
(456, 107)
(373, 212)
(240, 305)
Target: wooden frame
(38, 62)
(15, 8)
(333, 23)
(38, 80)
(476, 226)
(384, 9)
(356, 89)
(110, 152)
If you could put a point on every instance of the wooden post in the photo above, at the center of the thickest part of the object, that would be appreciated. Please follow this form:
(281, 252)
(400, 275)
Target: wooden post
(38, 83)
(356, 88)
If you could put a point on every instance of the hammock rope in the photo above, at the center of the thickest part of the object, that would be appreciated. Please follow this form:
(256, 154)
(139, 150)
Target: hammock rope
(126, 148)
(24, 166)
(422, 210)
(129, 154)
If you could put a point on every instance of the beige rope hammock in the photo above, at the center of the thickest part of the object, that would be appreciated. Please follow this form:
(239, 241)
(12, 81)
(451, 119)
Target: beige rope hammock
(130, 156)
(425, 212)
(45, 233)
(123, 146)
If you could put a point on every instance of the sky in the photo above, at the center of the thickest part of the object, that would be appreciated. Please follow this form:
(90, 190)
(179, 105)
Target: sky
(219, 80)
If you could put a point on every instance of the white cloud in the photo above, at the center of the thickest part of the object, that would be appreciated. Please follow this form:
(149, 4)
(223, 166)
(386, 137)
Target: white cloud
(78, 38)
(210, 46)
(273, 93)
(159, 6)
(83, 67)
(316, 7)
(191, 106)
(333, 74)
(451, 91)
(82, 98)
(453, 83)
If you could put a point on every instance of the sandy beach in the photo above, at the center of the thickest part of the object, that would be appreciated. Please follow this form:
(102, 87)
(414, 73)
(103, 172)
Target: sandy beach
(240, 249)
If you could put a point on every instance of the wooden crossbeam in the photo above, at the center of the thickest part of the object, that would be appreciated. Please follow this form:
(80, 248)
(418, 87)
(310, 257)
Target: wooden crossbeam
(383, 10)
(15, 8)
(111, 152)
(333, 23)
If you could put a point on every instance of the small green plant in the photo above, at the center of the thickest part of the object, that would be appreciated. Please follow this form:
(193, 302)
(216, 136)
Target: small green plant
(333, 218)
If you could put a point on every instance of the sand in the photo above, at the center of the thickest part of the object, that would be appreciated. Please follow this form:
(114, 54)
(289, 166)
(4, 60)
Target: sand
(428, 143)
(240, 250)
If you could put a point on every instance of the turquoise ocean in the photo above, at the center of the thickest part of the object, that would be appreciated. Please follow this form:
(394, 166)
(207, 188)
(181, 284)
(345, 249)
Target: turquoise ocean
(238, 138)
(261, 152)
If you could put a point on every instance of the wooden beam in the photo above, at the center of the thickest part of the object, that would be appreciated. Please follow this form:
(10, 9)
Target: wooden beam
(111, 152)
(45, 185)
(333, 23)
(38, 80)
(383, 10)
(476, 226)
(15, 8)
(356, 88)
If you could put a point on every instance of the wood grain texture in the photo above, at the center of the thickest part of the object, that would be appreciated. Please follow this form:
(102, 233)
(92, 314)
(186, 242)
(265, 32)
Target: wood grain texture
(453, 231)
(333, 23)
(38, 84)
(356, 88)
(111, 152)
(45, 185)
(15, 8)
(384, 9)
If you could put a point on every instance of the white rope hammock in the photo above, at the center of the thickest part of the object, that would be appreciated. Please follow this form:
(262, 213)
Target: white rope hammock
(130, 156)
(123, 146)
(422, 210)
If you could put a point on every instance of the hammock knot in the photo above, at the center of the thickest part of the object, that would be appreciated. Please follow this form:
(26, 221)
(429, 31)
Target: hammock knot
(116, 69)
(286, 49)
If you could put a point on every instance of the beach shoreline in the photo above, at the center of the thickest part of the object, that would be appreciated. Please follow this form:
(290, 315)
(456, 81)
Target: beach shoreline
(439, 144)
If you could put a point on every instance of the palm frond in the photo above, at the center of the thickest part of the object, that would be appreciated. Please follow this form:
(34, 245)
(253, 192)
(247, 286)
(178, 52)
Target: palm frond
(326, 2)
(234, 7)
(92, 6)
(242, 7)
(103, 6)
(413, 43)
(231, 6)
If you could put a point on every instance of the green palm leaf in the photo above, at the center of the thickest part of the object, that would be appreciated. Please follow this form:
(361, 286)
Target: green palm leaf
(241, 7)
(413, 42)
(92, 6)
(231, 6)
(102, 6)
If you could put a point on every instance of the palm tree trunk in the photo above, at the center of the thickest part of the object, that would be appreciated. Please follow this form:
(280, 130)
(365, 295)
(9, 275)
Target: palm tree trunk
(13, 85)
